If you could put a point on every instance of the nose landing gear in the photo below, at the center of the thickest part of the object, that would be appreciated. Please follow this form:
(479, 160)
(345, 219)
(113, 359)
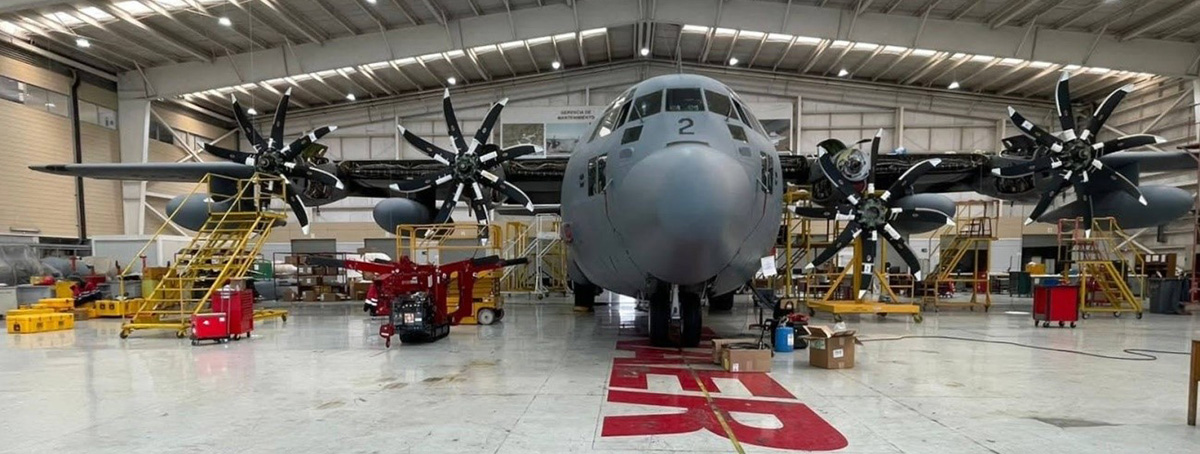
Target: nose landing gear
(674, 325)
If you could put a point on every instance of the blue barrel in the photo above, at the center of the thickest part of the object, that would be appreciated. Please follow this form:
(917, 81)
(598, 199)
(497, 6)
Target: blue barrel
(784, 338)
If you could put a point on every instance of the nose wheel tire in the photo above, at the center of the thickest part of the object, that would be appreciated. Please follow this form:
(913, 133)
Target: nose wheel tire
(721, 303)
(660, 319)
(690, 319)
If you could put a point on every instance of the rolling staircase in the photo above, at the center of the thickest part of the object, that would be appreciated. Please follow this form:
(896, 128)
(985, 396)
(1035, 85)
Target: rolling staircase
(974, 231)
(540, 243)
(224, 249)
(1101, 266)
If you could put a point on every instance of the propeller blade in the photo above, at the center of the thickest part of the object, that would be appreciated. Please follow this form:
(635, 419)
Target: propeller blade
(452, 126)
(1062, 100)
(1035, 131)
(1039, 164)
(277, 123)
(297, 146)
(1088, 212)
(866, 271)
(232, 155)
(1122, 183)
(1127, 142)
(439, 154)
(894, 238)
(835, 176)
(1047, 198)
(874, 159)
(817, 212)
(423, 182)
(1104, 111)
(910, 177)
(848, 234)
(479, 206)
(443, 213)
(489, 122)
(514, 194)
(247, 127)
(297, 205)
(922, 215)
(494, 153)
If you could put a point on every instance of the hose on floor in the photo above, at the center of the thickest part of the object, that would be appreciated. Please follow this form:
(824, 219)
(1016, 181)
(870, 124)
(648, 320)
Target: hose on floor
(1140, 354)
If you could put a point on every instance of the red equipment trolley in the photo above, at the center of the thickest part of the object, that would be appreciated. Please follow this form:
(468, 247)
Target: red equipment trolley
(1055, 303)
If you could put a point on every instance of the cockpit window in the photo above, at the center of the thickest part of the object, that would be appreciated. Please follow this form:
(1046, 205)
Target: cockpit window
(647, 105)
(719, 104)
(748, 118)
(612, 116)
(684, 100)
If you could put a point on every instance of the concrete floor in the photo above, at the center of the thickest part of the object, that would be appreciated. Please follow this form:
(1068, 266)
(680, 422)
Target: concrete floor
(538, 382)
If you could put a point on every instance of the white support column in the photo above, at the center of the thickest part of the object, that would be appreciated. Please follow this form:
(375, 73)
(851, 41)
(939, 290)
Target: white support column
(133, 116)
(796, 126)
(1196, 107)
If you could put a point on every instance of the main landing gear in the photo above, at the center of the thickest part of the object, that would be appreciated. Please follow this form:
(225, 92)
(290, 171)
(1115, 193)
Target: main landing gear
(669, 328)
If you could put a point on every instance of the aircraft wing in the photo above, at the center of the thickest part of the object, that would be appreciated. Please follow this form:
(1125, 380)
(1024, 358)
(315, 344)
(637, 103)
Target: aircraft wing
(189, 172)
(1152, 161)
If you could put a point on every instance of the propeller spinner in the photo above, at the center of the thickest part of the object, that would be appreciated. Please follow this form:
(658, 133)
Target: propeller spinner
(269, 158)
(468, 167)
(1075, 156)
(870, 212)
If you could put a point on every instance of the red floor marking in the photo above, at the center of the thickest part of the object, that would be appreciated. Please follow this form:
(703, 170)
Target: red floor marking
(802, 428)
(759, 384)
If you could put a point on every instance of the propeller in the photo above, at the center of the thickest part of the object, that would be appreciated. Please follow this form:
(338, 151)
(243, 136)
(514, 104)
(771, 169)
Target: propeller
(1074, 154)
(869, 213)
(467, 166)
(272, 157)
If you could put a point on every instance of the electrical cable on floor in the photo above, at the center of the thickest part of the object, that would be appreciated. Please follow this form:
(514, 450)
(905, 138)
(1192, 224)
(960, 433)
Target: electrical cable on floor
(1141, 354)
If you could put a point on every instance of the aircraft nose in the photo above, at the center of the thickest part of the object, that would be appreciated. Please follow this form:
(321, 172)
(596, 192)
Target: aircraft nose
(684, 211)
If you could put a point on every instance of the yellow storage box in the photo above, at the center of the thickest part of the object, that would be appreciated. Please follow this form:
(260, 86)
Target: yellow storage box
(28, 311)
(118, 308)
(39, 323)
(58, 304)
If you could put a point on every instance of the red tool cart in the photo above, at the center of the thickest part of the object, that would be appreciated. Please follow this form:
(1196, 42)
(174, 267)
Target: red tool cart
(232, 317)
(1055, 303)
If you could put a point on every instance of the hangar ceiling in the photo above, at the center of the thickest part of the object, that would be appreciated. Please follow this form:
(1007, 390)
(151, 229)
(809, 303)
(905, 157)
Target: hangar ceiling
(198, 52)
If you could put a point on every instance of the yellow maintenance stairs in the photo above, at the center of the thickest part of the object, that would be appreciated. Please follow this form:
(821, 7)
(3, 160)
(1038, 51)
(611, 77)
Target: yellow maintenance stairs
(1100, 261)
(974, 230)
(224, 249)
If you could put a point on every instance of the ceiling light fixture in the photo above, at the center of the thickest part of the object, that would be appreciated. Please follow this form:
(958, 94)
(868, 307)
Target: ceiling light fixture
(371, 1)
(252, 111)
(953, 85)
(733, 61)
(225, 21)
(843, 73)
(83, 42)
(351, 97)
(451, 80)
(555, 64)
(645, 51)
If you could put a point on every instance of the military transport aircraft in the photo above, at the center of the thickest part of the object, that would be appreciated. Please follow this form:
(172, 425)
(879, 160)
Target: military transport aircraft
(674, 194)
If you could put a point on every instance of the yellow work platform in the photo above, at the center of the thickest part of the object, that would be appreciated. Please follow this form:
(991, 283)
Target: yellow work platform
(267, 314)
(838, 308)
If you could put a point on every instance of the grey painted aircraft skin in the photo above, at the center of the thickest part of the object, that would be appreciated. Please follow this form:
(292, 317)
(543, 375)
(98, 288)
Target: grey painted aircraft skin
(686, 203)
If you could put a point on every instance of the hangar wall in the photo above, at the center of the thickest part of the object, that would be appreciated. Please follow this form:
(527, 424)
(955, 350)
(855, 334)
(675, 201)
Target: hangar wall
(37, 128)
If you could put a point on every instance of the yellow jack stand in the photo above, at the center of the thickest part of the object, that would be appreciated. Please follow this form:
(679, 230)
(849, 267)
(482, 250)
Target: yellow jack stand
(857, 304)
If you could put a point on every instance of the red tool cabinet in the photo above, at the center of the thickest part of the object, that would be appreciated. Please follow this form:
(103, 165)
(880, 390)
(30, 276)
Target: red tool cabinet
(232, 317)
(1055, 303)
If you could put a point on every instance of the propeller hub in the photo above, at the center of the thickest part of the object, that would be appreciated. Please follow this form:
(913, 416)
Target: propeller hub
(1077, 155)
(872, 212)
(268, 162)
(466, 167)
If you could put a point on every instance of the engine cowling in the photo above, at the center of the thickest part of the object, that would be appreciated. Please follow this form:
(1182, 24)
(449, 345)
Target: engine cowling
(394, 212)
(923, 201)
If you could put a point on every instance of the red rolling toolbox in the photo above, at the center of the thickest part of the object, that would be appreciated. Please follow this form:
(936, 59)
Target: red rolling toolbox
(239, 304)
(213, 326)
(1055, 303)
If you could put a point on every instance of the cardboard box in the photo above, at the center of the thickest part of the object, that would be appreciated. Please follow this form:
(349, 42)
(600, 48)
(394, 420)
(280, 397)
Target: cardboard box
(719, 346)
(289, 259)
(304, 270)
(330, 297)
(308, 281)
(737, 359)
(308, 295)
(829, 349)
(288, 294)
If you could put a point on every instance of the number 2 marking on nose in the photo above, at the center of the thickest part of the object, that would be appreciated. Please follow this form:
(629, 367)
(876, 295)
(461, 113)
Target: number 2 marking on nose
(686, 126)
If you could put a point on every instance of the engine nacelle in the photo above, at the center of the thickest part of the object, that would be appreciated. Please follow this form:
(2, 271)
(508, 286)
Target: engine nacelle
(394, 212)
(936, 202)
(190, 212)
